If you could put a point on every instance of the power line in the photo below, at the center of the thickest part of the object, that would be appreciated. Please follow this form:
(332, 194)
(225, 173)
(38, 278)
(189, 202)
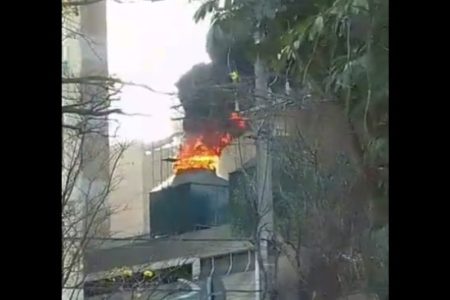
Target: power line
(121, 289)
(160, 239)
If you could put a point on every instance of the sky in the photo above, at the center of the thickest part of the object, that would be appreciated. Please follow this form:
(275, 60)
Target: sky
(152, 44)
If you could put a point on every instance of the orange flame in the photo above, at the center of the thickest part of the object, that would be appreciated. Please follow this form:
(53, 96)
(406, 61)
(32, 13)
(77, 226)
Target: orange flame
(197, 153)
(238, 120)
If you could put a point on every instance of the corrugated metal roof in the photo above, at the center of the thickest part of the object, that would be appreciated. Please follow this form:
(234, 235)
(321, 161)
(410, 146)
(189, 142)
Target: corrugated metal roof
(202, 243)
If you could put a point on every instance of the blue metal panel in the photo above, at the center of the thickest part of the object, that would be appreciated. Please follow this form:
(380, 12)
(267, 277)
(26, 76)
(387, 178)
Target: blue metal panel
(187, 207)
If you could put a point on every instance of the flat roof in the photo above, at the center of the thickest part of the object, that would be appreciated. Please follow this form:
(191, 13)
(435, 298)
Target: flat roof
(139, 251)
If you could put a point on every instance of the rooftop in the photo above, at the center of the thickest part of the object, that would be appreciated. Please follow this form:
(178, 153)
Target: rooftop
(139, 251)
(201, 177)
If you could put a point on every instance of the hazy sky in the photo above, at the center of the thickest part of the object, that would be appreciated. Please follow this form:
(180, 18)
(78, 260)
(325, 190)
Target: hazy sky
(153, 44)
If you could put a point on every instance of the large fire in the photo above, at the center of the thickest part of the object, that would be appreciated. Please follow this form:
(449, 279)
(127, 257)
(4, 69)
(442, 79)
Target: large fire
(202, 152)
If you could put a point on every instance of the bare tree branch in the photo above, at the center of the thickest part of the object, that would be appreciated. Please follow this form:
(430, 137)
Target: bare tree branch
(88, 112)
(100, 80)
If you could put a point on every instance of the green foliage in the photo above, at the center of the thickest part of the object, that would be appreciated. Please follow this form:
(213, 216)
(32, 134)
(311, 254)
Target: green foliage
(304, 194)
(377, 261)
(338, 49)
(242, 197)
(205, 8)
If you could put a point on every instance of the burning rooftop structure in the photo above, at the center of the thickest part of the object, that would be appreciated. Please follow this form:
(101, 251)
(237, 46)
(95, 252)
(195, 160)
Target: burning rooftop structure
(201, 149)
(211, 101)
(197, 198)
(211, 117)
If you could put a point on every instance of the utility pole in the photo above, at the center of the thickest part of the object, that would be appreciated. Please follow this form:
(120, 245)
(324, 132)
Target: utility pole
(264, 231)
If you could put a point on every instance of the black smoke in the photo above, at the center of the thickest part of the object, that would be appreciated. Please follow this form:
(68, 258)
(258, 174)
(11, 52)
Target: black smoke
(207, 92)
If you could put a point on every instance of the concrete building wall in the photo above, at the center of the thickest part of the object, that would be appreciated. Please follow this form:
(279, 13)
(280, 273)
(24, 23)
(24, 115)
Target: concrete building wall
(323, 126)
(239, 152)
(140, 169)
(127, 200)
(243, 149)
(94, 62)
(71, 65)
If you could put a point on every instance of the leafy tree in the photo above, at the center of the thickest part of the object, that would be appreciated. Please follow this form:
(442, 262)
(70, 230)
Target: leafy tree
(335, 51)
